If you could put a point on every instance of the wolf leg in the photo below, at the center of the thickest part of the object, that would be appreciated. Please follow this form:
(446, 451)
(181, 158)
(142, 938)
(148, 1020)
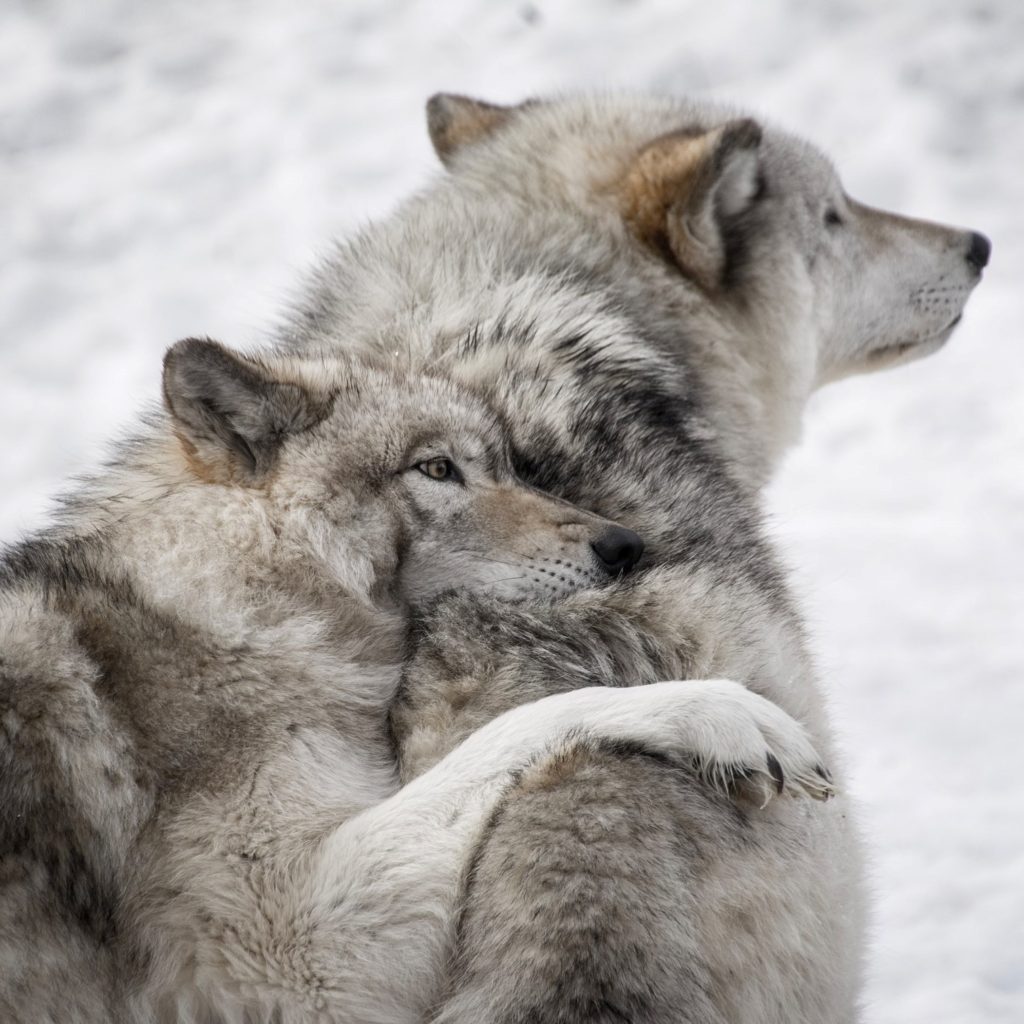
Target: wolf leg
(395, 875)
(474, 658)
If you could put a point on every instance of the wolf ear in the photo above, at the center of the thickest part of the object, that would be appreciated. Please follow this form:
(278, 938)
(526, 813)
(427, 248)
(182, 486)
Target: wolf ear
(682, 189)
(455, 122)
(230, 416)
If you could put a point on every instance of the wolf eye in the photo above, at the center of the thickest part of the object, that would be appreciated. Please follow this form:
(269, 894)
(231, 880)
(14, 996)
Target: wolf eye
(439, 469)
(832, 218)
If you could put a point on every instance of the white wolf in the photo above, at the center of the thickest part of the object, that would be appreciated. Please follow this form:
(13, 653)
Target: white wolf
(201, 815)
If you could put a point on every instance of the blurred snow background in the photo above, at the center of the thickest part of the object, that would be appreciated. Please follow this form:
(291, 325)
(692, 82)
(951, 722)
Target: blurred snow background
(170, 169)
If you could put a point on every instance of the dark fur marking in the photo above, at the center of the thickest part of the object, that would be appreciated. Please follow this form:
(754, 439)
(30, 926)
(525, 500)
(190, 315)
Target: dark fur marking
(775, 771)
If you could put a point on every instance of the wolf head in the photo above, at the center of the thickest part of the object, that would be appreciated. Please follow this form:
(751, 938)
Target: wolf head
(396, 486)
(747, 214)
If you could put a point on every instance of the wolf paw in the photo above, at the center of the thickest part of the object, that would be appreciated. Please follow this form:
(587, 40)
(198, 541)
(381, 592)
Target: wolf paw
(753, 750)
(744, 745)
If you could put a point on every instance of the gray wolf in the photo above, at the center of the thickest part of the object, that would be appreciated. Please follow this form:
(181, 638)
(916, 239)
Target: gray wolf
(649, 290)
(200, 816)
(202, 813)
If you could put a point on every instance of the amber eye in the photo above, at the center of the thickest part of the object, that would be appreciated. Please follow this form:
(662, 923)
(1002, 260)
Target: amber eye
(438, 469)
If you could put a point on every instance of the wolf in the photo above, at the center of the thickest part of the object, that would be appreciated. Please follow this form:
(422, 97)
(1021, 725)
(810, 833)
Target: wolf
(649, 289)
(273, 750)
(200, 817)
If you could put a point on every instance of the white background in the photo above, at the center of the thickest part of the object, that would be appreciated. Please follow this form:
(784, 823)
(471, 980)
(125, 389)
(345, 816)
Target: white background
(170, 168)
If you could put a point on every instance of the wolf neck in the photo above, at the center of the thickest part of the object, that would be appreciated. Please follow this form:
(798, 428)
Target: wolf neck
(759, 376)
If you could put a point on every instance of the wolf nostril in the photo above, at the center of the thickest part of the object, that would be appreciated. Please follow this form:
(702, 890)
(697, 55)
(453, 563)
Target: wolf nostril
(618, 549)
(980, 250)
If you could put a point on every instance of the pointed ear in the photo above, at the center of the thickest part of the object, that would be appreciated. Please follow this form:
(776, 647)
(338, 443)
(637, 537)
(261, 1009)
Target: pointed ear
(682, 190)
(229, 414)
(455, 122)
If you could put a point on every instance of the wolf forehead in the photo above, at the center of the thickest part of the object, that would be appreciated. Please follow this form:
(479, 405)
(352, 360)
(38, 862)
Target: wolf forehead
(401, 407)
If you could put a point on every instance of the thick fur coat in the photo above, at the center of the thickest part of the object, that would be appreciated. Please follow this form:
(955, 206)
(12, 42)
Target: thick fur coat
(624, 302)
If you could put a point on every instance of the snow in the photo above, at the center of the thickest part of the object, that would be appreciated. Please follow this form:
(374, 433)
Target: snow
(171, 169)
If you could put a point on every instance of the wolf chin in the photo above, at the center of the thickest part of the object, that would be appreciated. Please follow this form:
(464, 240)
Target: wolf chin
(329, 701)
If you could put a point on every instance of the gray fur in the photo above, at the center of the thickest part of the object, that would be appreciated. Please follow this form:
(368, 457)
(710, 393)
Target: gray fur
(624, 302)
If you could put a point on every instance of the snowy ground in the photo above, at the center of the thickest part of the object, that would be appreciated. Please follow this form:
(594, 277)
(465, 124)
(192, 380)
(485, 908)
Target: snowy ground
(170, 169)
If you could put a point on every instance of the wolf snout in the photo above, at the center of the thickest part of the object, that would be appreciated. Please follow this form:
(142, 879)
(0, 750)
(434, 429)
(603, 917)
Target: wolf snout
(979, 251)
(618, 549)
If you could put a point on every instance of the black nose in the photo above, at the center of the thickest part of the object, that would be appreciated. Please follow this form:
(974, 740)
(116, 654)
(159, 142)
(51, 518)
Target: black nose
(618, 549)
(979, 252)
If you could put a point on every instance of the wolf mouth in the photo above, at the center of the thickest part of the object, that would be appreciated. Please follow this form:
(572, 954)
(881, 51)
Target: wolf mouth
(900, 348)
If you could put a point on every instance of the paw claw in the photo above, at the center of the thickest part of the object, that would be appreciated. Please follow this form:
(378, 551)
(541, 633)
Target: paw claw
(821, 788)
(775, 771)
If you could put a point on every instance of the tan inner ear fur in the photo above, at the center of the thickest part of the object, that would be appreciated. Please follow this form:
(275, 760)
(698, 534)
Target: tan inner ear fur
(670, 176)
(458, 121)
(205, 471)
(212, 466)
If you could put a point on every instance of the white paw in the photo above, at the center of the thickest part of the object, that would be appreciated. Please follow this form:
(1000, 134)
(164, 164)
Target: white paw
(743, 744)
